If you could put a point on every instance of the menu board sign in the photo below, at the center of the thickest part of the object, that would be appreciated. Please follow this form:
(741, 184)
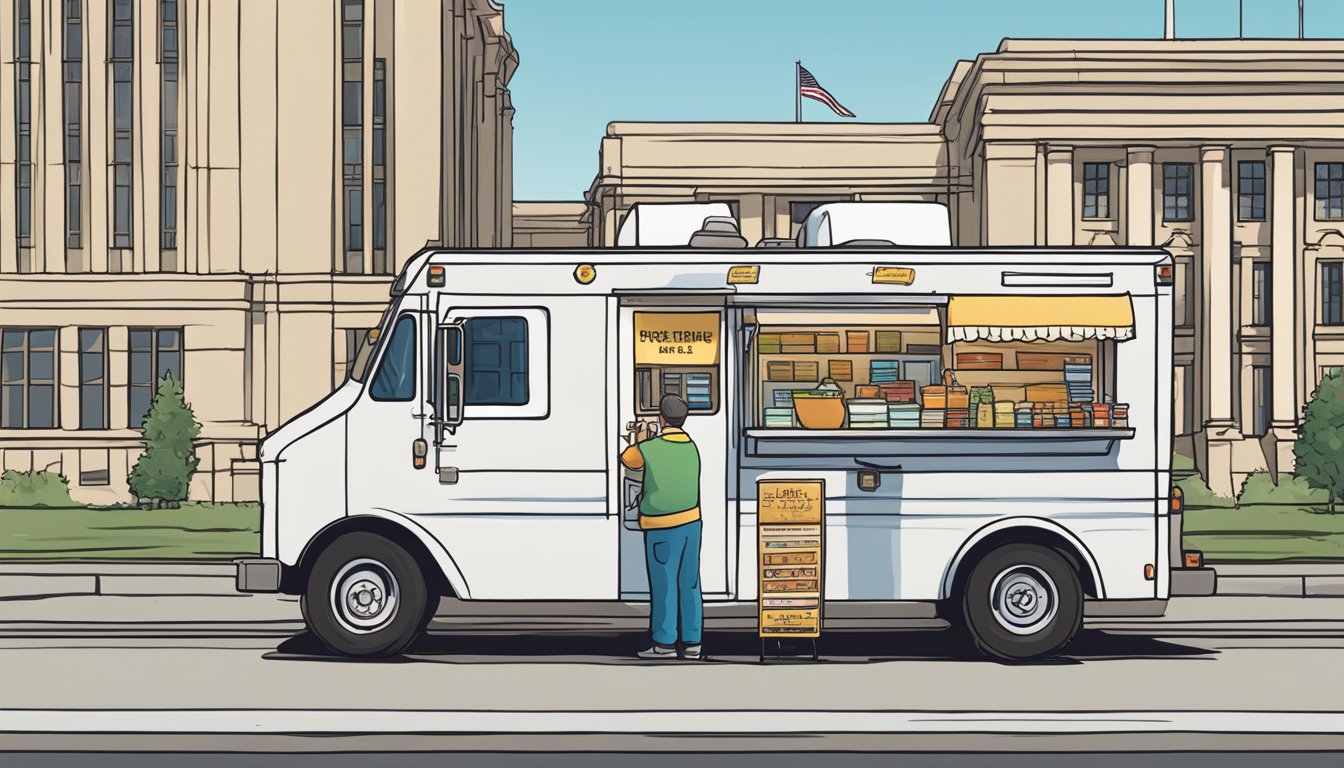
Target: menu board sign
(676, 338)
(790, 528)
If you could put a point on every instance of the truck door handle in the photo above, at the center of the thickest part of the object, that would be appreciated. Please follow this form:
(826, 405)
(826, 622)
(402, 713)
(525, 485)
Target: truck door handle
(447, 475)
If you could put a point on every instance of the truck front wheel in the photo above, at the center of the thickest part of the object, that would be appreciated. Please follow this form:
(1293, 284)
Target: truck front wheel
(1022, 601)
(366, 596)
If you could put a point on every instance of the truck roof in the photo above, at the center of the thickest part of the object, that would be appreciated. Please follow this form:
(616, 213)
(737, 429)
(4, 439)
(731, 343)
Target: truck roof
(1090, 256)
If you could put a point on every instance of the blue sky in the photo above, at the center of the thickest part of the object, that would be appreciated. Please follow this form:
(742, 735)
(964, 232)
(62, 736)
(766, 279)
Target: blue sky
(585, 63)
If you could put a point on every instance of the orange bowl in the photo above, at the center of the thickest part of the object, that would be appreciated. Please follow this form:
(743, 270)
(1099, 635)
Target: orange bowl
(820, 412)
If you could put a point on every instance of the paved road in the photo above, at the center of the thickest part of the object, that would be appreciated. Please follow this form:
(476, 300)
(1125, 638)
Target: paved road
(1246, 674)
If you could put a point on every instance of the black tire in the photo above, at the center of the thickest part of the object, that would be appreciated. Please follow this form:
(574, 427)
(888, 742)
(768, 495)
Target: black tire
(355, 564)
(1044, 618)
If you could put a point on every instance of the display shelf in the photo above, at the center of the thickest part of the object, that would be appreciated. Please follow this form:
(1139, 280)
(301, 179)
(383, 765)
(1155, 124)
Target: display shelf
(934, 442)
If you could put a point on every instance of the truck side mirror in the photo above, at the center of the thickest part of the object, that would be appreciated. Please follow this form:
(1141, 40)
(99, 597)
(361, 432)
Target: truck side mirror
(450, 352)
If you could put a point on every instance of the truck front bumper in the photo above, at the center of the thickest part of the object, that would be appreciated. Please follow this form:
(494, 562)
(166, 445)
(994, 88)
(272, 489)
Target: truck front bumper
(1193, 582)
(260, 574)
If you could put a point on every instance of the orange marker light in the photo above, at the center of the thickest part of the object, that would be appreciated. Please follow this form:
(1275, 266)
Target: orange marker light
(1177, 502)
(437, 276)
(1194, 558)
(1149, 572)
(1164, 274)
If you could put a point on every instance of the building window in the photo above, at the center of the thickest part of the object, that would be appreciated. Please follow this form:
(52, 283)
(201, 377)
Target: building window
(28, 378)
(155, 353)
(1251, 190)
(1261, 293)
(1261, 395)
(168, 80)
(1096, 190)
(1177, 191)
(395, 379)
(381, 264)
(1181, 299)
(23, 131)
(92, 378)
(1330, 191)
(496, 361)
(1332, 290)
(121, 62)
(352, 132)
(72, 67)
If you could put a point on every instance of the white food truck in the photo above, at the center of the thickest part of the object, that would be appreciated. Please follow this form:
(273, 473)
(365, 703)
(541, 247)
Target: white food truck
(997, 456)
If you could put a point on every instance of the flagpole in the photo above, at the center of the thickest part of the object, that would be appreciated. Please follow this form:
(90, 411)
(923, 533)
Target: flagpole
(798, 91)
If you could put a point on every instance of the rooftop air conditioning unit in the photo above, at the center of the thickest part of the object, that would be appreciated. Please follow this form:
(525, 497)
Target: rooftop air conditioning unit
(869, 224)
(673, 224)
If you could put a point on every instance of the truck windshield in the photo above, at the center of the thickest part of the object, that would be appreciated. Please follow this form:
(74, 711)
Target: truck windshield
(368, 344)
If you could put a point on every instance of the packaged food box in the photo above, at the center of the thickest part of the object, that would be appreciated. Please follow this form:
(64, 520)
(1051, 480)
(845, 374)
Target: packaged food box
(958, 397)
(779, 370)
(840, 370)
(856, 341)
(1047, 361)
(958, 418)
(980, 361)
(768, 343)
(1047, 393)
(887, 341)
(828, 343)
(867, 391)
(806, 370)
(934, 396)
(1009, 394)
(899, 391)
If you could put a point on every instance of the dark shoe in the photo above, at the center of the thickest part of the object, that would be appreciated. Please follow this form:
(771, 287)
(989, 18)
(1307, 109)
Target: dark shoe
(692, 652)
(659, 652)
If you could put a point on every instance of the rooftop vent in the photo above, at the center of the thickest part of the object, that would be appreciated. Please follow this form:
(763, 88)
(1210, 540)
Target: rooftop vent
(672, 224)
(718, 232)
(873, 224)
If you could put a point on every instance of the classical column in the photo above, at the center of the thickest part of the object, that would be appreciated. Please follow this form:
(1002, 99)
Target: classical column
(1059, 195)
(1139, 197)
(1285, 350)
(1218, 339)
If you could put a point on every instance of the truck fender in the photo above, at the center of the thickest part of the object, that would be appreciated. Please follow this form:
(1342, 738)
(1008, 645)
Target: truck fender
(451, 573)
(1037, 524)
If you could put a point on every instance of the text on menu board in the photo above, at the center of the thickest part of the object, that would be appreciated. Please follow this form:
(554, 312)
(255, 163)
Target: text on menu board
(676, 338)
(789, 501)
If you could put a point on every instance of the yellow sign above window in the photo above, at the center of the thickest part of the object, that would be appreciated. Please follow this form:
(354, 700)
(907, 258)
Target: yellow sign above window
(893, 275)
(677, 338)
(744, 273)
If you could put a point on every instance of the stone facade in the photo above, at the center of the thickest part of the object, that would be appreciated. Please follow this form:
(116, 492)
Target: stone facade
(224, 189)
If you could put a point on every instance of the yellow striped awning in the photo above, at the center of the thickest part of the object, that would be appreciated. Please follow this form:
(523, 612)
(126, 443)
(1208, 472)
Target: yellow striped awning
(1039, 318)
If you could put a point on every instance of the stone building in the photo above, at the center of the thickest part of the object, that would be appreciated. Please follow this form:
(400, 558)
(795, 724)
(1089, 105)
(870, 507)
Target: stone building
(222, 190)
(1229, 153)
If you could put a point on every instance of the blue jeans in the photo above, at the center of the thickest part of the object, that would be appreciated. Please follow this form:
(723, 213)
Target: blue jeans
(673, 557)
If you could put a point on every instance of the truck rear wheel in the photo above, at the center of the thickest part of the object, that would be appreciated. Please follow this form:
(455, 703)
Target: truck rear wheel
(366, 596)
(1022, 601)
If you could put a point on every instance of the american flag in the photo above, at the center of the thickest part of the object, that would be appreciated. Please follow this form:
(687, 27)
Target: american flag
(810, 88)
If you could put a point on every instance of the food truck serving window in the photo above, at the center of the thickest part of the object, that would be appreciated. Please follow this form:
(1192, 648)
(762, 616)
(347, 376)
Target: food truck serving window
(677, 353)
(1003, 362)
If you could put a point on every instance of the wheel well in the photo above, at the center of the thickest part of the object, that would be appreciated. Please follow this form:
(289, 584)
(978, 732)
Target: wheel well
(295, 580)
(1025, 535)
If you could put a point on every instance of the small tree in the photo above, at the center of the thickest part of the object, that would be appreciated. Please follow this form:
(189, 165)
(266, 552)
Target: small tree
(163, 472)
(1319, 451)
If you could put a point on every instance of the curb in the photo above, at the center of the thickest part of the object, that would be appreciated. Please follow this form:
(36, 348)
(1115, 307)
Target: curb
(26, 581)
(1287, 580)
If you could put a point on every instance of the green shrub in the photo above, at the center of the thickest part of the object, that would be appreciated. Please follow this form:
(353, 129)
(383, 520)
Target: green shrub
(1319, 450)
(1260, 489)
(1196, 493)
(34, 489)
(163, 472)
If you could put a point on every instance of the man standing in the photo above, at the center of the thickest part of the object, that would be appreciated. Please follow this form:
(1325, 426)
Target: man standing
(669, 515)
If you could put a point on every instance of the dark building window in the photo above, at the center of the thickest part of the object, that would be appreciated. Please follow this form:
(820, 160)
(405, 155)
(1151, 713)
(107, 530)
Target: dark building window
(1262, 293)
(1332, 291)
(1330, 191)
(352, 132)
(72, 67)
(92, 378)
(1177, 191)
(1251, 190)
(1262, 392)
(23, 131)
(1096, 190)
(123, 56)
(168, 81)
(28, 378)
(155, 353)
(381, 264)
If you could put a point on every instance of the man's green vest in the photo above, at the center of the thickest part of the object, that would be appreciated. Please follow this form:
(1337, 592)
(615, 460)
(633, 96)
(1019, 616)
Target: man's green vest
(671, 475)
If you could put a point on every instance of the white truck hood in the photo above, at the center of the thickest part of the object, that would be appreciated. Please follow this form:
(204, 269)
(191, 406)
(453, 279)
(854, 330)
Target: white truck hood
(331, 407)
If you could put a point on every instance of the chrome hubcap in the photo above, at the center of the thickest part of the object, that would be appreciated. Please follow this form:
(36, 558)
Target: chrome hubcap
(364, 596)
(1023, 599)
